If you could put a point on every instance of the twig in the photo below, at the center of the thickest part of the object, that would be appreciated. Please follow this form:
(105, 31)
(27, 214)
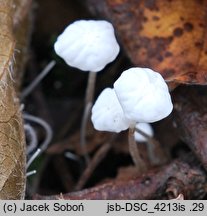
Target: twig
(31, 173)
(45, 125)
(149, 186)
(98, 157)
(33, 157)
(37, 80)
(45, 143)
(32, 136)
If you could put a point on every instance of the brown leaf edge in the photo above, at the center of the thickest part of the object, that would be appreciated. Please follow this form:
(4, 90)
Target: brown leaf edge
(12, 139)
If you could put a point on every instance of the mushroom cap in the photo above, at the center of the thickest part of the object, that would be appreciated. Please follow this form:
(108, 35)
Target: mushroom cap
(143, 95)
(107, 114)
(88, 45)
(146, 128)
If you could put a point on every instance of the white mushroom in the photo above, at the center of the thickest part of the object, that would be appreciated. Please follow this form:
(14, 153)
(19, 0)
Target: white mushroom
(146, 128)
(143, 95)
(88, 45)
(107, 114)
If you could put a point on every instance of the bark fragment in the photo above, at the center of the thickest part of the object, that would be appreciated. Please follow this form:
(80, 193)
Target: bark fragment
(153, 185)
(191, 119)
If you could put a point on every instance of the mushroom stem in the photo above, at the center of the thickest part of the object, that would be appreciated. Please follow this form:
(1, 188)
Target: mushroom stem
(134, 151)
(90, 87)
(87, 109)
(156, 154)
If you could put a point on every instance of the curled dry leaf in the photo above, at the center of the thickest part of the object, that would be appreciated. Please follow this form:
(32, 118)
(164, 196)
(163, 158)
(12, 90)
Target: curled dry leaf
(167, 36)
(12, 141)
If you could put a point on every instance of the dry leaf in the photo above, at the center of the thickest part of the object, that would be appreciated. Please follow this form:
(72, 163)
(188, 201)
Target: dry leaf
(22, 28)
(167, 36)
(12, 140)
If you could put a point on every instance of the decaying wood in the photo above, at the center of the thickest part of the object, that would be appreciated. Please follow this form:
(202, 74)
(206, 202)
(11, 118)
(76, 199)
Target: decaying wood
(12, 140)
(191, 119)
(149, 186)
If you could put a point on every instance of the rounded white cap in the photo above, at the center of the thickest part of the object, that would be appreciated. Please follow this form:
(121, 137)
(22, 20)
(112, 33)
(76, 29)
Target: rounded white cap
(146, 128)
(107, 114)
(88, 45)
(143, 95)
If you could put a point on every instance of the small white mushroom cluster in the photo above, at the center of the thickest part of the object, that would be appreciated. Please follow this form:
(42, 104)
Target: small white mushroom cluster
(145, 128)
(139, 95)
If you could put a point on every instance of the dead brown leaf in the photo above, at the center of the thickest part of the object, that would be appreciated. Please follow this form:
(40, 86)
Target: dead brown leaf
(167, 36)
(12, 141)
